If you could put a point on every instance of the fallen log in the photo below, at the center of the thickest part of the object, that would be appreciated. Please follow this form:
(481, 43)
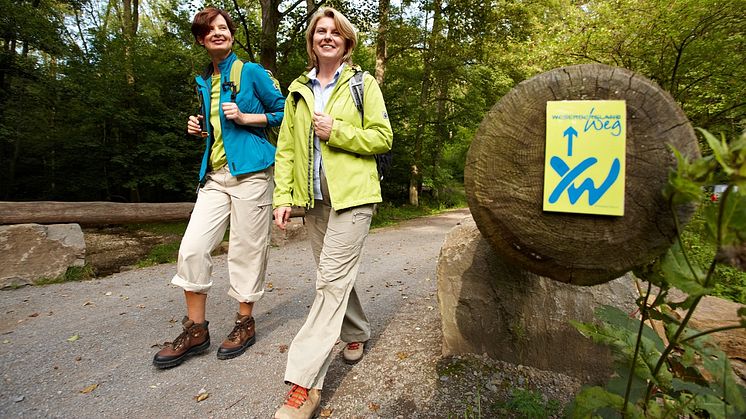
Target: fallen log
(97, 213)
(92, 213)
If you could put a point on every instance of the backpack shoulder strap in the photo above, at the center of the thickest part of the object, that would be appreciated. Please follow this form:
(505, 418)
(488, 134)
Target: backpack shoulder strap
(235, 78)
(356, 90)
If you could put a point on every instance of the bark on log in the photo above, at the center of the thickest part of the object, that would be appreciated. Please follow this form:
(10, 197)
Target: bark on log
(91, 213)
(97, 213)
(504, 177)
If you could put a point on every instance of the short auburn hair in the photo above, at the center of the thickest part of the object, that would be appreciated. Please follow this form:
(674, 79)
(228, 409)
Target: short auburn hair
(345, 28)
(202, 20)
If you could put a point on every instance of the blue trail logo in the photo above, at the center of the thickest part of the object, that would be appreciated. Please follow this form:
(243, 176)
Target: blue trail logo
(568, 177)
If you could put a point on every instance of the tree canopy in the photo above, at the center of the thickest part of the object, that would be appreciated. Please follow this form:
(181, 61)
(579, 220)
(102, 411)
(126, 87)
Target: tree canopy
(94, 94)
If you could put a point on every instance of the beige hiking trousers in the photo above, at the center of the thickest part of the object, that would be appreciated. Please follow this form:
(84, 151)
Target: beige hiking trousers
(337, 239)
(244, 202)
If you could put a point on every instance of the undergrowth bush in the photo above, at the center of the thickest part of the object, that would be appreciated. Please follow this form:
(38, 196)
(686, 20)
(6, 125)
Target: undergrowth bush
(681, 373)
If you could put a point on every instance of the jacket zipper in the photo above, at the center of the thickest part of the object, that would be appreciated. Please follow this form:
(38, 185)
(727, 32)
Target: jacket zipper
(310, 169)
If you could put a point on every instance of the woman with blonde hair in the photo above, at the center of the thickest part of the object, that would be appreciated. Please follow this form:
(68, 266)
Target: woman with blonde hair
(325, 162)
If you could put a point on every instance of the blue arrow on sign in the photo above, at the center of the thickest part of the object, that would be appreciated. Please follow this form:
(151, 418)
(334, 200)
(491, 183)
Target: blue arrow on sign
(569, 133)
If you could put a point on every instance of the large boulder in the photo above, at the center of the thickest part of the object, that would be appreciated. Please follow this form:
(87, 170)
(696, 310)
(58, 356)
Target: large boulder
(29, 252)
(491, 306)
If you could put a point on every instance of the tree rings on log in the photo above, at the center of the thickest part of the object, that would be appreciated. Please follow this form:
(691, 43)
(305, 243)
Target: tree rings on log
(504, 178)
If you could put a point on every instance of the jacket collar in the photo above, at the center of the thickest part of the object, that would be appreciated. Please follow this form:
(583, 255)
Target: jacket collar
(302, 81)
(223, 66)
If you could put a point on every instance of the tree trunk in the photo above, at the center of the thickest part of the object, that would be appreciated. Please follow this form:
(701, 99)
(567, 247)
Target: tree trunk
(415, 174)
(268, 43)
(504, 178)
(383, 28)
(130, 22)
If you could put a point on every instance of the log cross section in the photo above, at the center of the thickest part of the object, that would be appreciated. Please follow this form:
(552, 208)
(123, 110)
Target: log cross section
(504, 177)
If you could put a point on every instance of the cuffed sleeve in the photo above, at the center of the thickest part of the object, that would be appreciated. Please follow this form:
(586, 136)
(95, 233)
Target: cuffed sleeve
(269, 95)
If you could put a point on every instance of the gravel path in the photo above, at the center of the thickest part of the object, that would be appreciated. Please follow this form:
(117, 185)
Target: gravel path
(84, 349)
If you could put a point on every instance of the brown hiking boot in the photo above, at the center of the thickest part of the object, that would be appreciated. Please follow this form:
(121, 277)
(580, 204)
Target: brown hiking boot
(239, 339)
(194, 340)
(300, 403)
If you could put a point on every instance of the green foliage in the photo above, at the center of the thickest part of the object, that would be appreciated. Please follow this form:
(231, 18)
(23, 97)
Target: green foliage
(731, 281)
(73, 273)
(684, 373)
(529, 405)
(162, 253)
(91, 112)
(390, 214)
(678, 44)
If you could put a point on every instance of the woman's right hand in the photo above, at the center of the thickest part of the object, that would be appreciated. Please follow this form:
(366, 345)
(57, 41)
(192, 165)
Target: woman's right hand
(282, 216)
(193, 125)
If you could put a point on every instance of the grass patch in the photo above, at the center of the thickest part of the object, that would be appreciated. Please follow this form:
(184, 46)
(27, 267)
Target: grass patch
(160, 228)
(530, 405)
(481, 388)
(388, 214)
(162, 253)
(447, 198)
(452, 369)
(73, 273)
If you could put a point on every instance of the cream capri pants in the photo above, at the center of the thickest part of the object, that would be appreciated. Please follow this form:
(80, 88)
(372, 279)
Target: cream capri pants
(337, 239)
(245, 201)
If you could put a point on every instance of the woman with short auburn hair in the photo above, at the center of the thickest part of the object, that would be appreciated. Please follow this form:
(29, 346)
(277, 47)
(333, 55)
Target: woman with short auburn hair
(326, 163)
(235, 187)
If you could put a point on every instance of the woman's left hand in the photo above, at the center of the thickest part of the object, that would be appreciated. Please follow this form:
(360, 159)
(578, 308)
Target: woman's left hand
(230, 110)
(322, 125)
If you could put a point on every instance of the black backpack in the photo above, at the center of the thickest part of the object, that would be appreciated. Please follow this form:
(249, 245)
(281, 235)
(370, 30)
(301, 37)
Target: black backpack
(383, 160)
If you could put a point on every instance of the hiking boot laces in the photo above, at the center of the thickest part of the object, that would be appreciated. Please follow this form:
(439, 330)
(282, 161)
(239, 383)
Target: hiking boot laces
(296, 396)
(235, 334)
(179, 341)
(353, 346)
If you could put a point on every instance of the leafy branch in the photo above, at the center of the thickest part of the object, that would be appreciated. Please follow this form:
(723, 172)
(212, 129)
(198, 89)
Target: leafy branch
(679, 371)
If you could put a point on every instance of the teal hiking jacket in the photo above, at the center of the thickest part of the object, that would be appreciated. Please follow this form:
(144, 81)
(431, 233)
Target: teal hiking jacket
(246, 148)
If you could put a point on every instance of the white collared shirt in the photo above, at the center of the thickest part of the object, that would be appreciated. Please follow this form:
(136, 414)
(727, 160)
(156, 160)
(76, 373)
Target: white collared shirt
(320, 98)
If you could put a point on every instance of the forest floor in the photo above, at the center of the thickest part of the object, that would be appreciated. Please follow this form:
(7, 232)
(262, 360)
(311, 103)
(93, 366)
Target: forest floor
(84, 349)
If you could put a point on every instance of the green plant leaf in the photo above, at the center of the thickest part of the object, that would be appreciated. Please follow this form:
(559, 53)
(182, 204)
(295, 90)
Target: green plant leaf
(620, 319)
(734, 217)
(719, 150)
(681, 274)
(592, 399)
(696, 389)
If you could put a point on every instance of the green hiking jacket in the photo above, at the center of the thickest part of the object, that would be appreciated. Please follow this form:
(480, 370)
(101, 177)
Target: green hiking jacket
(347, 157)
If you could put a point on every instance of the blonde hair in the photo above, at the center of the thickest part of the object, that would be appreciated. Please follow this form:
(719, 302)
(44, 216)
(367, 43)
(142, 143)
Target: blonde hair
(345, 28)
